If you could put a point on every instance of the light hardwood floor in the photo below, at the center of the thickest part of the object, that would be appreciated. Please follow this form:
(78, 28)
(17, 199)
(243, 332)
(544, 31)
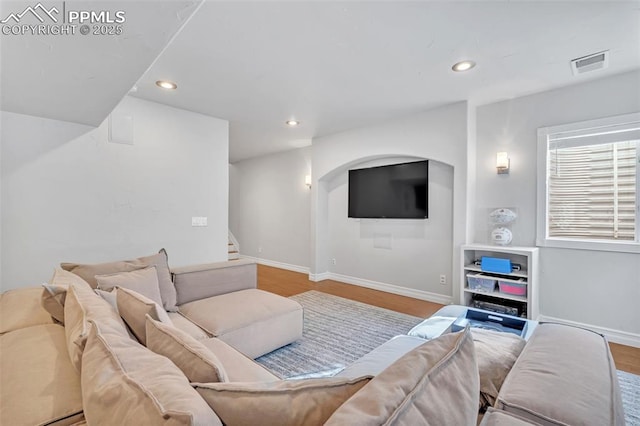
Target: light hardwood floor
(287, 283)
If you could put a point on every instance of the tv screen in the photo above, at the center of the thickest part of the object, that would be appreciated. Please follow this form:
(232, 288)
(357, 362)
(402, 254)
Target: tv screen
(397, 191)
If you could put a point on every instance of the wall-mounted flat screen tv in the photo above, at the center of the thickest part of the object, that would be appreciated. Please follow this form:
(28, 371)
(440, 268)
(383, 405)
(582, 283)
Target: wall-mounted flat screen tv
(396, 191)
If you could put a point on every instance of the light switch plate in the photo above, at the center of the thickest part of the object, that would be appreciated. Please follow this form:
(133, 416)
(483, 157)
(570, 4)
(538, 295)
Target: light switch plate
(199, 221)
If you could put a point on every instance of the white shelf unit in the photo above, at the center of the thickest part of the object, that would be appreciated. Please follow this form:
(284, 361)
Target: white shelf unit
(527, 257)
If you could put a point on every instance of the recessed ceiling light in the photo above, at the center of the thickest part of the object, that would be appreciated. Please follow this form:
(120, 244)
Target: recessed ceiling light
(166, 84)
(463, 66)
(292, 123)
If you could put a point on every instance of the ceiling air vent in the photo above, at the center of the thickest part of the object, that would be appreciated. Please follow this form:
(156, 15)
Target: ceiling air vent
(591, 62)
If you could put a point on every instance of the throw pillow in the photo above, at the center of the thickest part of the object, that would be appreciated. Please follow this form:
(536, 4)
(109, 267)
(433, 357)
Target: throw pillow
(134, 307)
(283, 403)
(197, 362)
(65, 278)
(436, 383)
(82, 305)
(143, 281)
(496, 353)
(52, 300)
(55, 292)
(160, 261)
(130, 385)
(109, 297)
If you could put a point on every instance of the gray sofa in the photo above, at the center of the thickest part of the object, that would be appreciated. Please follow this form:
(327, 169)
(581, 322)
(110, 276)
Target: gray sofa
(197, 367)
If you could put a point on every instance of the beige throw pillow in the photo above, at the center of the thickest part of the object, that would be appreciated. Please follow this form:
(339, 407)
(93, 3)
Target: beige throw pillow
(143, 281)
(82, 305)
(55, 292)
(160, 261)
(130, 385)
(52, 300)
(283, 403)
(496, 353)
(65, 278)
(134, 307)
(197, 362)
(435, 384)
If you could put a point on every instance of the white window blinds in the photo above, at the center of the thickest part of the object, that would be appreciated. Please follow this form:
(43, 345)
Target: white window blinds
(592, 182)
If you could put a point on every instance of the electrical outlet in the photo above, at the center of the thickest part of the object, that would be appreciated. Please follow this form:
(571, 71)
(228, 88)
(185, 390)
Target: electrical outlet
(443, 279)
(333, 261)
(259, 249)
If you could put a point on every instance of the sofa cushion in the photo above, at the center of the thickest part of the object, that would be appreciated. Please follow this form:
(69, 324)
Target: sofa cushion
(496, 353)
(253, 321)
(82, 305)
(126, 388)
(160, 261)
(134, 307)
(239, 367)
(436, 383)
(195, 282)
(39, 383)
(181, 322)
(143, 281)
(21, 308)
(564, 375)
(284, 403)
(374, 362)
(495, 417)
(197, 362)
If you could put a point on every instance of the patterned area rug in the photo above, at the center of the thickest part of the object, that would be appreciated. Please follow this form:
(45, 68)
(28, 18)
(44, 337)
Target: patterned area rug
(338, 331)
(630, 387)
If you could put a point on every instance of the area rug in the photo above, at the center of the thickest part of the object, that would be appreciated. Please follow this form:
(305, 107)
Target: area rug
(338, 331)
(630, 389)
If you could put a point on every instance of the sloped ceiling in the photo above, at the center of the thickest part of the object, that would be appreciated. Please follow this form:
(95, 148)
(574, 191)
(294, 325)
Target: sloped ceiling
(81, 78)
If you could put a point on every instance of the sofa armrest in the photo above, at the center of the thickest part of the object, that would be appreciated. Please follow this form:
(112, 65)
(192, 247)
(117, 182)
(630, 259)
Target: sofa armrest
(565, 375)
(212, 279)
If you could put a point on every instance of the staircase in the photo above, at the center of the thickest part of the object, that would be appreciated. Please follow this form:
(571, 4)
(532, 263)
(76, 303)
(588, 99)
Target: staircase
(233, 248)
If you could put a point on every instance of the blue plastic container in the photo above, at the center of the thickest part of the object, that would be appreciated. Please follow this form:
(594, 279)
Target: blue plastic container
(495, 264)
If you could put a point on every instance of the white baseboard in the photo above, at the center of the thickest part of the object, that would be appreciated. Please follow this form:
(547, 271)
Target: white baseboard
(275, 264)
(615, 336)
(389, 288)
(319, 277)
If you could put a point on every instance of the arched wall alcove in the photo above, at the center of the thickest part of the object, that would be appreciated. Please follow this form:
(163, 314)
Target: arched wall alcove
(398, 255)
(441, 135)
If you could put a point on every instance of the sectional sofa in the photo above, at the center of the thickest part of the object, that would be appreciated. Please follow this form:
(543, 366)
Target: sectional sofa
(132, 343)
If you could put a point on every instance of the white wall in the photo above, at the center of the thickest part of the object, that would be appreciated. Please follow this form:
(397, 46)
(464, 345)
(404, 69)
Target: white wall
(269, 207)
(406, 253)
(70, 195)
(590, 287)
(439, 134)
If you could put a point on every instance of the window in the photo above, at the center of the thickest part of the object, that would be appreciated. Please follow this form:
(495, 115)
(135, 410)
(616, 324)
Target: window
(588, 185)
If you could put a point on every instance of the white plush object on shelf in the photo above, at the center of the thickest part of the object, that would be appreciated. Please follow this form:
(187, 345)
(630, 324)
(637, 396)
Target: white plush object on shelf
(503, 216)
(501, 236)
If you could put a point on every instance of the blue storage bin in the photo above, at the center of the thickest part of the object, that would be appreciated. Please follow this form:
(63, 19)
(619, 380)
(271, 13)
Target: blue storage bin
(495, 264)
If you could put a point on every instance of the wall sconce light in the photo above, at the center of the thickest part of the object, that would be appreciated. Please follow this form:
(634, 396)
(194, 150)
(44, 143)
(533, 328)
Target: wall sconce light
(307, 181)
(502, 163)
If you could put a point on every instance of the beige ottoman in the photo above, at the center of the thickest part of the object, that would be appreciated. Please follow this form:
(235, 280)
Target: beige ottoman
(253, 321)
